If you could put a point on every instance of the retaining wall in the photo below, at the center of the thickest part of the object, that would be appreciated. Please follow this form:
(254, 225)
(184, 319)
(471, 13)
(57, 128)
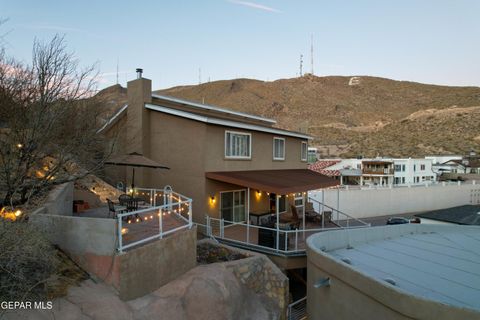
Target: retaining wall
(363, 203)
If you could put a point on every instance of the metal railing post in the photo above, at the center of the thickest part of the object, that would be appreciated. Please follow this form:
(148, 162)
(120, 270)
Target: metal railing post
(286, 240)
(160, 221)
(119, 225)
(221, 228)
(190, 218)
(296, 239)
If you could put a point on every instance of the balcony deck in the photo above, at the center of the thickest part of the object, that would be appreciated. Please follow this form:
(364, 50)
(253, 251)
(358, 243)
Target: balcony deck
(238, 234)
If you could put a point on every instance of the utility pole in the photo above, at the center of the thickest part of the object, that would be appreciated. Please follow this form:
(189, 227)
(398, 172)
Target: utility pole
(301, 65)
(117, 70)
(311, 52)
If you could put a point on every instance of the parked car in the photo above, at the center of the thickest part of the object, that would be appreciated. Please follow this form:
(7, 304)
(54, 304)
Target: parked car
(397, 220)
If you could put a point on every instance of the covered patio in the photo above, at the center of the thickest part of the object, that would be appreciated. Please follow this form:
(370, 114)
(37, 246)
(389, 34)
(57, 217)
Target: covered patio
(270, 209)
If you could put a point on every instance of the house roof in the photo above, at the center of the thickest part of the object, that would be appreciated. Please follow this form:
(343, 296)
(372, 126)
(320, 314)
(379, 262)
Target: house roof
(224, 122)
(212, 108)
(321, 166)
(208, 119)
(276, 181)
(439, 263)
(467, 214)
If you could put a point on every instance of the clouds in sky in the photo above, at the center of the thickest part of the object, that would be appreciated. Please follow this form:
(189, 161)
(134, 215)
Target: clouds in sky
(254, 5)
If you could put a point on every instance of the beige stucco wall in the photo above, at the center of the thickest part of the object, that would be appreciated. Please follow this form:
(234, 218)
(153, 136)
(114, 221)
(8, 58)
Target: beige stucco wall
(190, 148)
(150, 266)
(355, 295)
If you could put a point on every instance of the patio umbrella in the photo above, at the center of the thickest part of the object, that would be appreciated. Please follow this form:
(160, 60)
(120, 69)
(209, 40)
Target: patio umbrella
(135, 160)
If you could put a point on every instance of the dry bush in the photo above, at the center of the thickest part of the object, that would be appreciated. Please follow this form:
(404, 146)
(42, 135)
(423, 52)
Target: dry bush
(28, 262)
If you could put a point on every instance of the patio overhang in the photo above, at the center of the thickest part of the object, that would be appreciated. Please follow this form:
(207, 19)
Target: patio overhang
(276, 181)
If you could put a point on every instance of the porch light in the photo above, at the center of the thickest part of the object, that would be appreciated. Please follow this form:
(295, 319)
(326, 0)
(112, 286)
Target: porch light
(212, 200)
(259, 193)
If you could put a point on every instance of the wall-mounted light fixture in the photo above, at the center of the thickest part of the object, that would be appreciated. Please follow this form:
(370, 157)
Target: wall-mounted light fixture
(212, 200)
(259, 193)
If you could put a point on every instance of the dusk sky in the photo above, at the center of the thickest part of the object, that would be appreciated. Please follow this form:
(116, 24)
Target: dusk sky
(430, 41)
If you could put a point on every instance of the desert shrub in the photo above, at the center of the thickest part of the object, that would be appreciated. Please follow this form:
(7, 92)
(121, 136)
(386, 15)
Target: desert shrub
(28, 262)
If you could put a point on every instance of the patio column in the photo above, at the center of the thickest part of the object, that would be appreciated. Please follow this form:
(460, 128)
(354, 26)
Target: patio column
(277, 202)
(248, 215)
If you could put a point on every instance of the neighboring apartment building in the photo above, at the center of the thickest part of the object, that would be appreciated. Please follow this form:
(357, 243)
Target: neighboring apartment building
(229, 163)
(380, 171)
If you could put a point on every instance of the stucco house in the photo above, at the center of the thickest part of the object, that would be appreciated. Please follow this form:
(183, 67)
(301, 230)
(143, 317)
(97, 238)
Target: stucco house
(230, 163)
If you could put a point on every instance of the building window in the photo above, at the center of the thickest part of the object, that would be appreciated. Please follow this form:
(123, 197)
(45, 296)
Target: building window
(398, 168)
(304, 151)
(403, 167)
(278, 148)
(422, 167)
(238, 145)
(232, 205)
(414, 167)
(403, 179)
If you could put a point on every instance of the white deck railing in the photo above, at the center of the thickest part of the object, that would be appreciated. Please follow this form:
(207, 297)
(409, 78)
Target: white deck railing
(297, 310)
(289, 241)
(166, 212)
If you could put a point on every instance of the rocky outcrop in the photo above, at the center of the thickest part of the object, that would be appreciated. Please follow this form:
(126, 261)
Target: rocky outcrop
(220, 291)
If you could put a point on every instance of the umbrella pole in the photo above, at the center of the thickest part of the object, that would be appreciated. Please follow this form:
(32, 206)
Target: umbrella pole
(133, 180)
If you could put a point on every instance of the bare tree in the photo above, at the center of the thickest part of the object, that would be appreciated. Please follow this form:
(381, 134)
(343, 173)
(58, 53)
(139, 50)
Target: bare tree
(48, 122)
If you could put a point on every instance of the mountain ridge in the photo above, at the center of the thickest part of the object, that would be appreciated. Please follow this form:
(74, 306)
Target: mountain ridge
(355, 115)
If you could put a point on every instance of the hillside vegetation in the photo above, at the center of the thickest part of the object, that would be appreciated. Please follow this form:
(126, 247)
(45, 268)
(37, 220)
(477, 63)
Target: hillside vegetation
(375, 116)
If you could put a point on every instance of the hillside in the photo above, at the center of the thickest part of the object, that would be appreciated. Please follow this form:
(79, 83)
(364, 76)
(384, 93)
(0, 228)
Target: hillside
(367, 116)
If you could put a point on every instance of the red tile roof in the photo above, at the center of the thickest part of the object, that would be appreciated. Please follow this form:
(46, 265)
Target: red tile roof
(321, 166)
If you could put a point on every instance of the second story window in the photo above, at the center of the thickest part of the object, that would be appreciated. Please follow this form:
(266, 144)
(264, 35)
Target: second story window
(278, 148)
(304, 151)
(422, 167)
(238, 145)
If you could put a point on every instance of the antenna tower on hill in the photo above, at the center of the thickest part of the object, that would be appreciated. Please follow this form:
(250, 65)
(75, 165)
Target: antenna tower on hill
(301, 65)
(311, 53)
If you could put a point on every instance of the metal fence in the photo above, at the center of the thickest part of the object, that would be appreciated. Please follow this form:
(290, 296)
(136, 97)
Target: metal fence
(163, 212)
(297, 310)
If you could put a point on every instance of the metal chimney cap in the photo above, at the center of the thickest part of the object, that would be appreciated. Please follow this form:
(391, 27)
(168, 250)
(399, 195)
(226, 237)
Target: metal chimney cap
(139, 72)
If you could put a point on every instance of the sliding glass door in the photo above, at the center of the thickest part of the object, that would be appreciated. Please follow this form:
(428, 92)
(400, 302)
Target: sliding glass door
(232, 205)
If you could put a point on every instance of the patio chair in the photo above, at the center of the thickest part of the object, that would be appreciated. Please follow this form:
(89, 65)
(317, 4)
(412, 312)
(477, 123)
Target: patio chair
(113, 209)
(310, 213)
(295, 221)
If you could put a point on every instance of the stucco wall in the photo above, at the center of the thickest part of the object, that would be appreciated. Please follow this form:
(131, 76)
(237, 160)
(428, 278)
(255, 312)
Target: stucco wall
(150, 266)
(60, 200)
(190, 148)
(90, 242)
(389, 201)
(355, 295)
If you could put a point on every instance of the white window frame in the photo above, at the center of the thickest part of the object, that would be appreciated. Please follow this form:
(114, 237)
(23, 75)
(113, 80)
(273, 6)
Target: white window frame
(249, 146)
(281, 139)
(306, 151)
